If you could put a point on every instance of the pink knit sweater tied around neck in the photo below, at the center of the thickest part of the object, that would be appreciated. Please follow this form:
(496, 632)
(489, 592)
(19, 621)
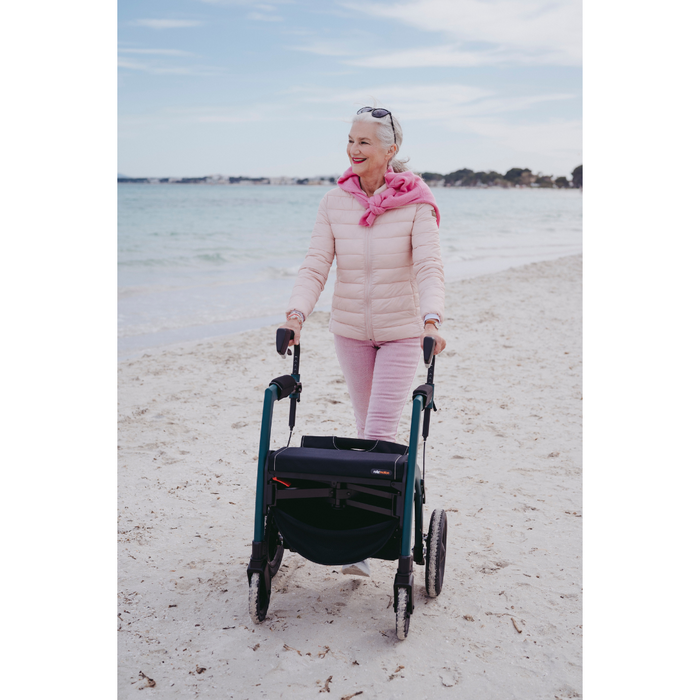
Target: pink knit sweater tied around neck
(401, 189)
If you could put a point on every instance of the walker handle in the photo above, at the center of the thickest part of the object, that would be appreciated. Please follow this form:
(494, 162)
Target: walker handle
(284, 335)
(428, 350)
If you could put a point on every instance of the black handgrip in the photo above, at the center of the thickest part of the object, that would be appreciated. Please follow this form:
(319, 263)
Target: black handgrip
(428, 350)
(284, 335)
(286, 384)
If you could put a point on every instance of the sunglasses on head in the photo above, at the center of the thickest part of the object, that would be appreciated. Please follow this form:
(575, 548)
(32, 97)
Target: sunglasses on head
(378, 114)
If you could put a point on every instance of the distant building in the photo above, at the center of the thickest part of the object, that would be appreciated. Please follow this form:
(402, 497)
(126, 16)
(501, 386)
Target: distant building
(282, 181)
(249, 180)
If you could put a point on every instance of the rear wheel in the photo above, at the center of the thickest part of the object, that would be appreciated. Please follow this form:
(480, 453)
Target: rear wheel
(258, 598)
(436, 553)
(403, 617)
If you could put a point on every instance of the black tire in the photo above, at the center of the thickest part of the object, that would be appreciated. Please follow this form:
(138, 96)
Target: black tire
(436, 553)
(275, 548)
(403, 617)
(258, 598)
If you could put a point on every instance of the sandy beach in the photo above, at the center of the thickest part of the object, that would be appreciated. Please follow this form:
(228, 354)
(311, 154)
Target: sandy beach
(504, 460)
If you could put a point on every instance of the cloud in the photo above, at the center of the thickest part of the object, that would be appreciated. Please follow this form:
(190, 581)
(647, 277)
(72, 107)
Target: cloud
(264, 18)
(158, 52)
(451, 106)
(499, 105)
(418, 99)
(167, 23)
(447, 56)
(554, 137)
(159, 69)
(448, 103)
(296, 32)
(257, 112)
(322, 48)
(266, 5)
(518, 31)
(438, 56)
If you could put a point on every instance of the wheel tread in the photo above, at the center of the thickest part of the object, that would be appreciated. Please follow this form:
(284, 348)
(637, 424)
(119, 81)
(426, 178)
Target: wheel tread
(403, 617)
(257, 614)
(434, 568)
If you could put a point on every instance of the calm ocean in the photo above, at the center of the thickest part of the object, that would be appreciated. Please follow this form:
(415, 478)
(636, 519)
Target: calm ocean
(203, 260)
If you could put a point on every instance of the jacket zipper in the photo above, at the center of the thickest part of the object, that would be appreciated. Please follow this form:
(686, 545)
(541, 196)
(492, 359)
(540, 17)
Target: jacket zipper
(368, 313)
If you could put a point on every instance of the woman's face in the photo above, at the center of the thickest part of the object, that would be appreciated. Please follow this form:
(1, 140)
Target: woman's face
(368, 156)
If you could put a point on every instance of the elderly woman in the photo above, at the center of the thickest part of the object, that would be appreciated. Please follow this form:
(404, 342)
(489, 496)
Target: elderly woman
(381, 224)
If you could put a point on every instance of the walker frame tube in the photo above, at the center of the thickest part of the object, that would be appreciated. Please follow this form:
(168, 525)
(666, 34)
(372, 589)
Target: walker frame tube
(271, 395)
(412, 479)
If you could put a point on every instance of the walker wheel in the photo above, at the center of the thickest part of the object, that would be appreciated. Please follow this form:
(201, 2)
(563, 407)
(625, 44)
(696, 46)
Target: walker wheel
(258, 598)
(403, 617)
(437, 551)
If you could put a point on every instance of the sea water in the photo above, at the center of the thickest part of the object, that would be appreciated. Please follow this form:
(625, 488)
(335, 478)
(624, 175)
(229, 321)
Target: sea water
(197, 261)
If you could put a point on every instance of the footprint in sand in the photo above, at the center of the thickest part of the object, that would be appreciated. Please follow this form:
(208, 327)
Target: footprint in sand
(450, 677)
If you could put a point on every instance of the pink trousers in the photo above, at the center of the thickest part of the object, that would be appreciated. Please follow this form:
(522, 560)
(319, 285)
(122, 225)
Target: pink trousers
(379, 378)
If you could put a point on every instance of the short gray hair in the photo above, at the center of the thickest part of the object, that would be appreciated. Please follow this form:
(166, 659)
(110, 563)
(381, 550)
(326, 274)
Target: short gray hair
(386, 136)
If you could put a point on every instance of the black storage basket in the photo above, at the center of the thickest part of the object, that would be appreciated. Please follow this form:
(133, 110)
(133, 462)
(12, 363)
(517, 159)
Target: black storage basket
(317, 530)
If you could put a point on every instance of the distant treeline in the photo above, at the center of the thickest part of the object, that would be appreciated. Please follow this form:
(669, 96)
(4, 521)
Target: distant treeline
(225, 180)
(199, 180)
(515, 177)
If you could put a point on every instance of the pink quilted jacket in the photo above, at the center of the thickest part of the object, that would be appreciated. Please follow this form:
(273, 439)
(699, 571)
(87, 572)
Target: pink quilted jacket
(389, 275)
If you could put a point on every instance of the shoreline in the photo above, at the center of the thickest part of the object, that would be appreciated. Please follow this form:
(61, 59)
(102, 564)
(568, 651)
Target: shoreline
(503, 459)
(130, 347)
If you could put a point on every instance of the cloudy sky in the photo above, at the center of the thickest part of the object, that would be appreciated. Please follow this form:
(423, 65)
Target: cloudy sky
(241, 87)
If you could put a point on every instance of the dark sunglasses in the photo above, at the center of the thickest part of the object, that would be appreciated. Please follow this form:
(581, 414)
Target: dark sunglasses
(378, 114)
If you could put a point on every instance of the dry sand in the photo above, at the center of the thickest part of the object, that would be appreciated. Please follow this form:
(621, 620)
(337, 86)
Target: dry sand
(504, 459)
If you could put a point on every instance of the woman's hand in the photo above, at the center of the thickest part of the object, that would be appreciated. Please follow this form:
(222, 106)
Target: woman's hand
(433, 332)
(294, 324)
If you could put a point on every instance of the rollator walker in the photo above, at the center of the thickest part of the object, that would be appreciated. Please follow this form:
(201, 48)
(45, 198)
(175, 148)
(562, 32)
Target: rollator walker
(339, 500)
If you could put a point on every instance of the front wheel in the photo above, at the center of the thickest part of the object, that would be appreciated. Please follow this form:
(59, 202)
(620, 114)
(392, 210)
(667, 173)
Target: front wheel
(436, 553)
(403, 617)
(258, 598)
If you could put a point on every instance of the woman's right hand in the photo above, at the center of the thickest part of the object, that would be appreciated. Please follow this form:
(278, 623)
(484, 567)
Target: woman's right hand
(295, 325)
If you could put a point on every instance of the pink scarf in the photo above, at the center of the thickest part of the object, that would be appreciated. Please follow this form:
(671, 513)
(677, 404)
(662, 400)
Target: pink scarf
(401, 189)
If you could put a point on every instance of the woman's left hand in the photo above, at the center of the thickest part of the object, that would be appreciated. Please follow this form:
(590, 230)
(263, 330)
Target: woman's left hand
(433, 332)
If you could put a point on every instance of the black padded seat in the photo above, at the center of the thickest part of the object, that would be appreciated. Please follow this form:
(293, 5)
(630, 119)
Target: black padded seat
(342, 457)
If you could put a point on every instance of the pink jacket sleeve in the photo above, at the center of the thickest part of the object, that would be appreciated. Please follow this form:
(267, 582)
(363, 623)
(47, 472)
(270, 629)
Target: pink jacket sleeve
(313, 272)
(427, 262)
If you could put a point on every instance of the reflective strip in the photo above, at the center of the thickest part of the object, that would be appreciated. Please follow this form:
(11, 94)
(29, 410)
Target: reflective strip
(395, 463)
(274, 461)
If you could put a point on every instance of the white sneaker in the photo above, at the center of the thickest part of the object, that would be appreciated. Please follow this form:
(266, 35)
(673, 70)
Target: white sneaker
(361, 568)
